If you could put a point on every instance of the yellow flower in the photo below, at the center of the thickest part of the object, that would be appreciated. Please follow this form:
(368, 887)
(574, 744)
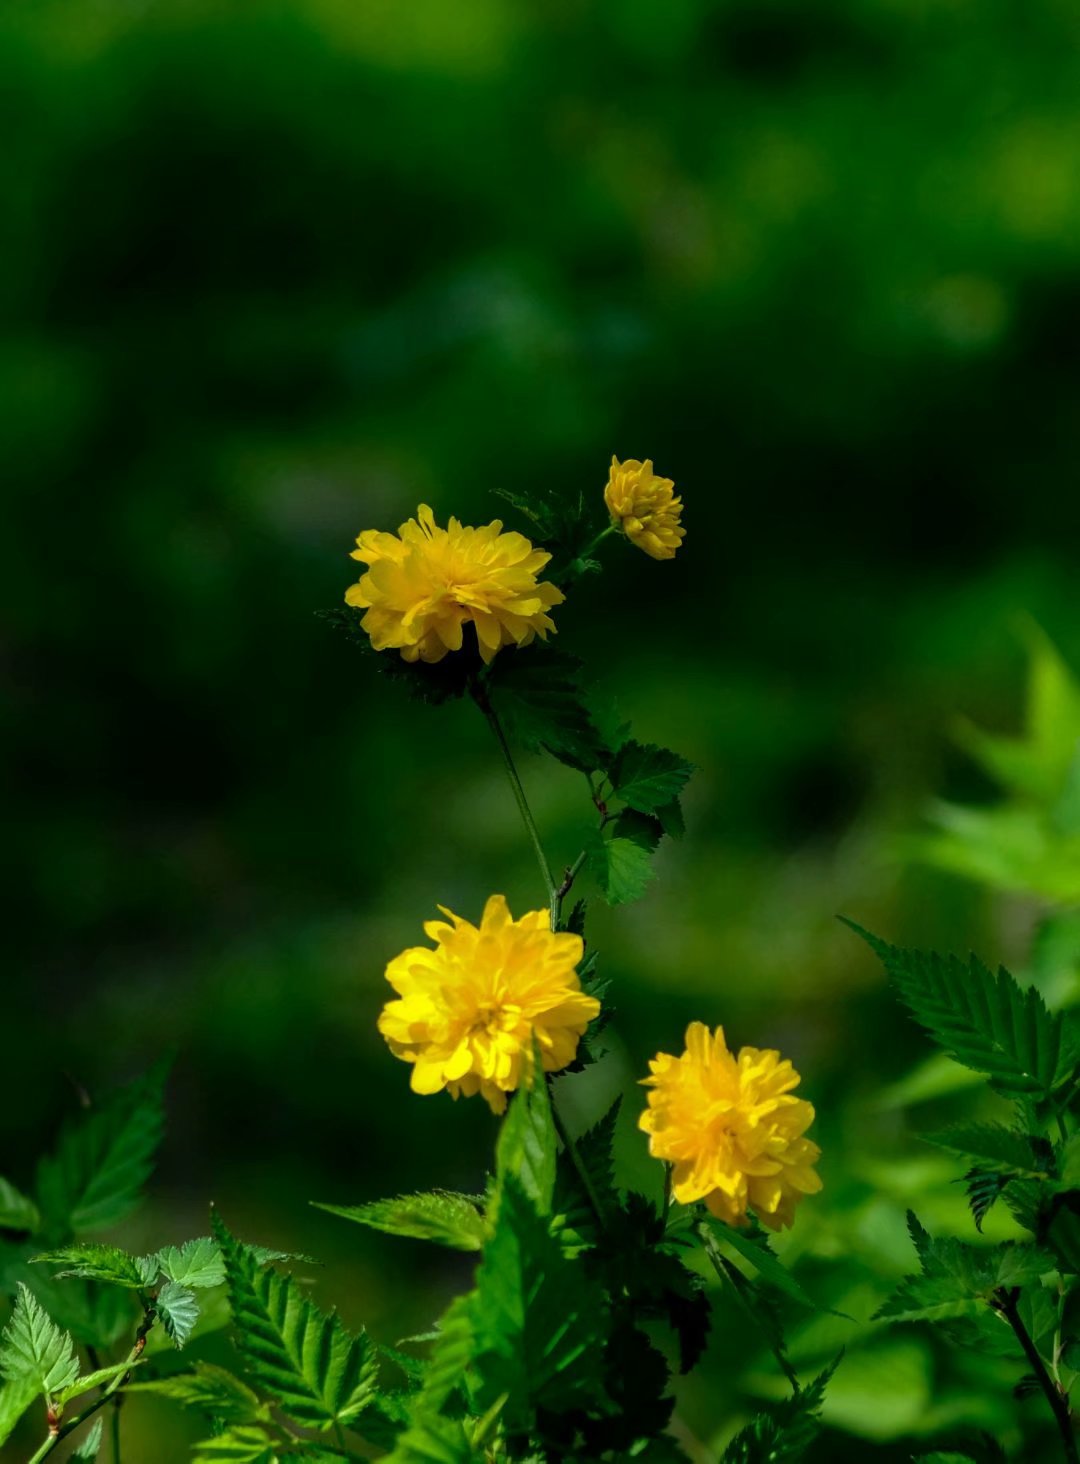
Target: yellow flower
(732, 1129)
(425, 583)
(644, 507)
(470, 1009)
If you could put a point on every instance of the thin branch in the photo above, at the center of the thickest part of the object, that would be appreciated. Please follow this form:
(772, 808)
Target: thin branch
(87, 1413)
(1005, 1302)
(482, 700)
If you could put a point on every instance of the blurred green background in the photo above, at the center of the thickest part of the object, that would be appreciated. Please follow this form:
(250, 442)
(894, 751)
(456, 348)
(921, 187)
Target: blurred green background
(276, 272)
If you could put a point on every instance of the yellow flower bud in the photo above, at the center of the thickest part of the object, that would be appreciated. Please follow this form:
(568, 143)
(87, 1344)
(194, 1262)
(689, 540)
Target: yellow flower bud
(644, 507)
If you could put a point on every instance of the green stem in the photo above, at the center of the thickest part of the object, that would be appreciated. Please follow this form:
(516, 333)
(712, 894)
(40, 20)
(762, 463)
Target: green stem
(1006, 1304)
(669, 1174)
(564, 889)
(103, 1397)
(595, 544)
(481, 698)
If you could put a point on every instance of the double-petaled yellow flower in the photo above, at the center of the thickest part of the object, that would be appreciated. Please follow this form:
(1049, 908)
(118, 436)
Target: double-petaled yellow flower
(644, 507)
(425, 584)
(469, 1011)
(732, 1129)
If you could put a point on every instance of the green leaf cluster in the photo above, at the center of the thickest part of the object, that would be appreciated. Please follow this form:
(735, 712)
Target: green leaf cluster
(319, 1375)
(786, 1433)
(1029, 841)
(93, 1177)
(541, 696)
(984, 1021)
(548, 1352)
(1018, 1298)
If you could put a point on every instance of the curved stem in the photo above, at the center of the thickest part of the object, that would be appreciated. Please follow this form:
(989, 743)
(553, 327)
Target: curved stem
(1006, 1304)
(595, 544)
(103, 1397)
(481, 699)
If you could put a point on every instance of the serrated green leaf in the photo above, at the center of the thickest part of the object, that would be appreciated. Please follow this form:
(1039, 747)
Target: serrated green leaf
(642, 829)
(972, 1268)
(243, 1444)
(17, 1211)
(648, 778)
(87, 1450)
(1003, 1149)
(432, 683)
(671, 819)
(575, 921)
(319, 1374)
(958, 1278)
(96, 1315)
(984, 1188)
(575, 1200)
(443, 1217)
(1020, 1263)
(636, 1379)
(88, 1261)
(753, 1246)
(103, 1159)
(178, 1308)
(538, 1318)
(34, 1349)
(214, 1315)
(565, 520)
(658, 1284)
(758, 1303)
(621, 867)
(539, 694)
(210, 1389)
(95, 1379)
(264, 1255)
(526, 1146)
(196, 1263)
(929, 1299)
(784, 1435)
(450, 1357)
(984, 1022)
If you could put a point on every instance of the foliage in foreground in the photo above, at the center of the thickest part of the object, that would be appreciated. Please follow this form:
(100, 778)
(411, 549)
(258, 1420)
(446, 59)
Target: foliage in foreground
(586, 1299)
